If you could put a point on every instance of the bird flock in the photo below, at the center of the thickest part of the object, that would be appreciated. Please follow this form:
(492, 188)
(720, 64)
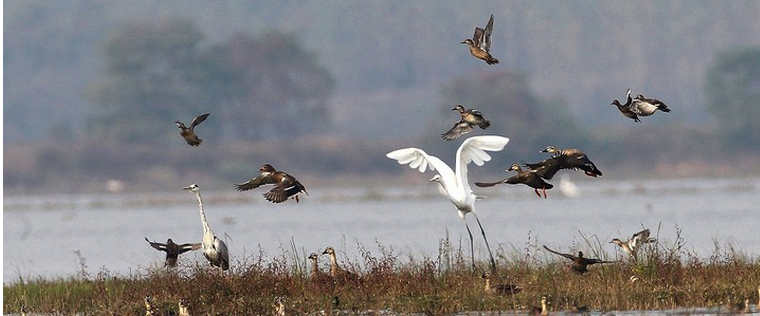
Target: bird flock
(454, 184)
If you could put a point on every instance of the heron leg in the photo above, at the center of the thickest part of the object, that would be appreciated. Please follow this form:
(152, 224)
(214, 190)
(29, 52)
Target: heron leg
(472, 248)
(490, 255)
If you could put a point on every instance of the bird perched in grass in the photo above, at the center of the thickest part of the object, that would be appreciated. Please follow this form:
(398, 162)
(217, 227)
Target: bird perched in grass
(173, 250)
(480, 43)
(499, 288)
(579, 262)
(631, 246)
(188, 133)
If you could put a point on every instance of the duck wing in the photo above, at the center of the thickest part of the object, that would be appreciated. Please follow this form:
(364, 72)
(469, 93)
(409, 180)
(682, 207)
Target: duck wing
(485, 43)
(157, 245)
(566, 255)
(198, 120)
(254, 183)
(461, 127)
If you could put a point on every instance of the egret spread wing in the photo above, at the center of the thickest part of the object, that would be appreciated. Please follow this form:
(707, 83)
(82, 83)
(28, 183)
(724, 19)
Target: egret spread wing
(418, 159)
(474, 150)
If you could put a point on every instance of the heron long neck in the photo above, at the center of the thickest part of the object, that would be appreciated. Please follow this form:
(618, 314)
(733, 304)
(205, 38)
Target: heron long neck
(206, 228)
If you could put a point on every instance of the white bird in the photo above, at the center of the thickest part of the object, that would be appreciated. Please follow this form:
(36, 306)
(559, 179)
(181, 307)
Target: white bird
(214, 249)
(455, 184)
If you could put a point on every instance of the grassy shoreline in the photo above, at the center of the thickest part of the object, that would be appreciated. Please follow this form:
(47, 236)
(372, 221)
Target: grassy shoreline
(668, 278)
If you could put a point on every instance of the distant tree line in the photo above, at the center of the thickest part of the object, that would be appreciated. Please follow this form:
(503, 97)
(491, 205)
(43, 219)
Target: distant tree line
(256, 87)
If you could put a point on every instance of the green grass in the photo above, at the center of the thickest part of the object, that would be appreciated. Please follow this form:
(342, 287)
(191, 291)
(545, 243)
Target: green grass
(670, 277)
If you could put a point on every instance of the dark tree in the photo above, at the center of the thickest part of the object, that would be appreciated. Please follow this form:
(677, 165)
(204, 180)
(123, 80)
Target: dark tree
(733, 96)
(147, 80)
(283, 89)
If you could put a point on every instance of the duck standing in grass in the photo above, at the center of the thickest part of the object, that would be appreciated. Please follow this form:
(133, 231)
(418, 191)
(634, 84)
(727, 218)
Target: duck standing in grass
(335, 270)
(631, 246)
(188, 133)
(543, 310)
(469, 119)
(579, 262)
(184, 308)
(570, 158)
(499, 288)
(480, 43)
(285, 185)
(526, 177)
(173, 250)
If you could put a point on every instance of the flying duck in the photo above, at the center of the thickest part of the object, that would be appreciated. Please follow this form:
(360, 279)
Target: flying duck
(480, 43)
(626, 108)
(631, 246)
(499, 288)
(189, 133)
(285, 185)
(469, 119)
(645, 107)
(579, 262)
(173, 250)
(526, 177)
(570, 158)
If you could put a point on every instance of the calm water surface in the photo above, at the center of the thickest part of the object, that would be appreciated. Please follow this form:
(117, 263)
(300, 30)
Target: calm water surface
(45, 236)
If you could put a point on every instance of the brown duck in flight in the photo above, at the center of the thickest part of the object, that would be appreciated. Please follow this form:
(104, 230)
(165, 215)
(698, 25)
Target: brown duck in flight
(570, 158)
(526, 177)
(173, 250)
(285, 185)
(188, 133)
(480, 43)
(469, 119)
(579, 262)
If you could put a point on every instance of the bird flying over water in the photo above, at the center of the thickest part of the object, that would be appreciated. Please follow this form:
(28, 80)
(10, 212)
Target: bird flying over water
(285, 185)
(469, 119)
(188, 133)
(480, 43)
(526, 177)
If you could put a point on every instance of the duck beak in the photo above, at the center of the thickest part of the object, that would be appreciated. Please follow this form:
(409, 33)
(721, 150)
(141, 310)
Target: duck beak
(463, 42)
(186, 188)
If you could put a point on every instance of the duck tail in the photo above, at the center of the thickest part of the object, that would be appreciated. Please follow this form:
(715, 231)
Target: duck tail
(485, 124)
(492, 61)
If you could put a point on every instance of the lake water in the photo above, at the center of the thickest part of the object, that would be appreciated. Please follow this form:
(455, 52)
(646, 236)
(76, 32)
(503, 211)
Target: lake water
(44, 236)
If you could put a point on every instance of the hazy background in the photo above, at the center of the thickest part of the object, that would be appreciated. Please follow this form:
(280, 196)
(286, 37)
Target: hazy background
(323, 89)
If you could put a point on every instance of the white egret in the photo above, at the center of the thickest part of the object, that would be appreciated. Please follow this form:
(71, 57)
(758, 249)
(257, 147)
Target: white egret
(455, 184)
(214, 249)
